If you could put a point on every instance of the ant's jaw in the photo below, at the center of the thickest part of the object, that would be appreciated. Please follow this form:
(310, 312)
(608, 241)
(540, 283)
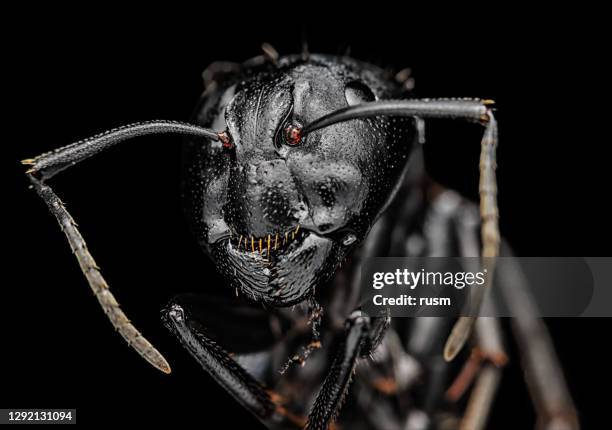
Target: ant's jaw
(283, 271)
(268, 245)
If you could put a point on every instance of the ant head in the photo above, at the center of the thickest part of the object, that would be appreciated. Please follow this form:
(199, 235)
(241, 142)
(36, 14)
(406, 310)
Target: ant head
(277, 209)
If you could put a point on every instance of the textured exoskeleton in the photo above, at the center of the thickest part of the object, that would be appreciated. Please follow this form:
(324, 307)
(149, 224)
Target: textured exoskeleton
(296, 169)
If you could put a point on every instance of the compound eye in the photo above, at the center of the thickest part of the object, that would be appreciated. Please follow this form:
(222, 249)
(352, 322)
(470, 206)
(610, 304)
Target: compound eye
(292, 135)
(357, 92)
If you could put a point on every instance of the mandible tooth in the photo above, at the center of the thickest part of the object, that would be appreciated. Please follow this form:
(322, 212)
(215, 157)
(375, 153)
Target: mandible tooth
(294, 232)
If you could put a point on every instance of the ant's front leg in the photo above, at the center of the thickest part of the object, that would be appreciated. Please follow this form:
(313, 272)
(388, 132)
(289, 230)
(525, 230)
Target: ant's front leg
(182, 317)
(363, 334)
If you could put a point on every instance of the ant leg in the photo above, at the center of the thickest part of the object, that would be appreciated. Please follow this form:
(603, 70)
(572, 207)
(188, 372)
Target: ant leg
(545, 380)
(217, 362)
(376, 333)
(217, 71)
(490, 353)
(361, 335)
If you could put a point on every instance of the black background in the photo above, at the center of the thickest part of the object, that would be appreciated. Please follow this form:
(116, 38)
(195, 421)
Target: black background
(76, 74)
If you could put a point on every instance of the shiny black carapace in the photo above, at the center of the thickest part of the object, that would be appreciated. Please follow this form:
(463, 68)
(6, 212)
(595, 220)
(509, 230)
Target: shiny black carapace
(293, 167)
